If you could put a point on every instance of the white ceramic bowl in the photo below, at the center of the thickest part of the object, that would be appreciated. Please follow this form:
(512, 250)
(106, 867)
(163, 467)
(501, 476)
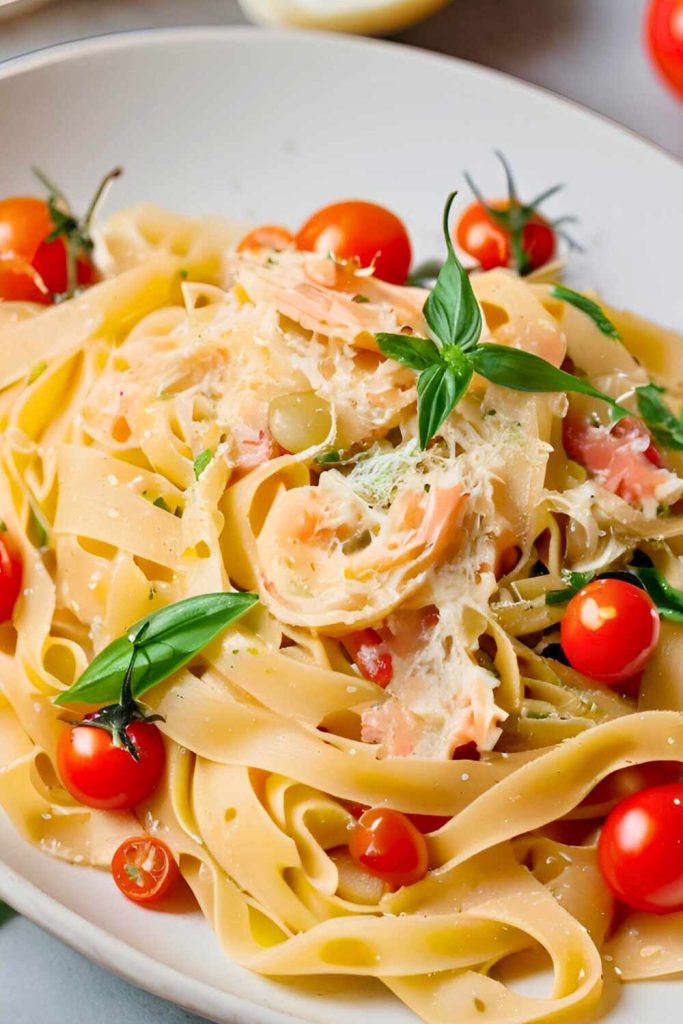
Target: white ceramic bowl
(268, 126)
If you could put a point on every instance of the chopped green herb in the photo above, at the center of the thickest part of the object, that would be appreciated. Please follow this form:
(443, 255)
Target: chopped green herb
(35, 373)
(328, 457)
(132, 872)
(360, 298)
(574, 580)
(669, 599)
(161, 503)
(37, 527)
(3, 526)
(201, 462)
(357, 543)
(183, 274)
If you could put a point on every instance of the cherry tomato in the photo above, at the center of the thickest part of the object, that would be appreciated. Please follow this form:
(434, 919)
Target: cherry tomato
(32, 269)
(640, 850)
(387, 844)
(489, 243)
(664, 37)
(99, 774)
(609, 630)
(423, 822)
(11, 571)
(368, 651)
(144, 869)
(362, 230)
(50, 262)
(266, 236)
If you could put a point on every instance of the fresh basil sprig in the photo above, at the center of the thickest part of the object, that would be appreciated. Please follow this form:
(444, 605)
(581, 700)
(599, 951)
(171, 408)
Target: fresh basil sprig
(587, 306)
(168, 639)
(446, 361)
(666, 428)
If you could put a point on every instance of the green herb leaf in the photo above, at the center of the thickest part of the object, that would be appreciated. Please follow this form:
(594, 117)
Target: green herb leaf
(417, 353)
(161, 503)
(37, 370)
(173, 636)
(360, 299)
(3, 526)
(523, 371)
(588, 307)
(439, 389)
(666, 428)
(37, 527)
(574, 580)
(669, 599)
(328, 457)
(451, 309)
(201, 462)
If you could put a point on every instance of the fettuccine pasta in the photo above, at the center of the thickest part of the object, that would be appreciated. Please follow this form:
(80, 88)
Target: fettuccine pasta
(207, 420)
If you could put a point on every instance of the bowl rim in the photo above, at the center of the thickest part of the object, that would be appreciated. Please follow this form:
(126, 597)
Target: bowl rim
(102, 42)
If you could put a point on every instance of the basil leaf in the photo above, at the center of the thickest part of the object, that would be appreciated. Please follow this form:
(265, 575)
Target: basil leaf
(451, 309)
(588, 307)
(666, 428)
(574, 580)
(669, 599)
(201, 462)
(417, 353)
(522, 371)
(439, 389)
(173, 636)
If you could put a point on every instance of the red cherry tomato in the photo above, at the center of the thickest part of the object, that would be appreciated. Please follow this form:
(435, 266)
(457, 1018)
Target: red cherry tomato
(50, 262)
(362, 230)
(266, 236)
(387, 844)
(99, 774)
(32, 269)
(144, 869)
(640, 850)
(368, 651)
(609, 630)
(664, 37)
(489, 243)
(11, 571)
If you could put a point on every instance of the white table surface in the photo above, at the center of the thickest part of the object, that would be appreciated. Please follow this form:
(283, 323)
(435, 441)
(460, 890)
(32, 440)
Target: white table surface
(588, 50)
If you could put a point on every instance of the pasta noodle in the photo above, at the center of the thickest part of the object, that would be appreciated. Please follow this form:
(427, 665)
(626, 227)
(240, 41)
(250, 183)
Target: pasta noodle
(272, 733)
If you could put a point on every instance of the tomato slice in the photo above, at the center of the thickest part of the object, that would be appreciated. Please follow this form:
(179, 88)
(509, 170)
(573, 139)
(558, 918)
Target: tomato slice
(144, 869)
(387, 844)
(11, 571)
(368, 651)
(609, 630)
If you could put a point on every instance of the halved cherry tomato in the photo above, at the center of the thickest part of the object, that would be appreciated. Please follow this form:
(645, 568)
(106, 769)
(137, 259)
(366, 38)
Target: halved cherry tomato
(640, 850)
(11, 571)
(266, 236)
(664, 37)
(144, 869)
(489, 243)
(387, 844)
(368, 651)
(609, 630)
(99, 774)
(368, 232)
